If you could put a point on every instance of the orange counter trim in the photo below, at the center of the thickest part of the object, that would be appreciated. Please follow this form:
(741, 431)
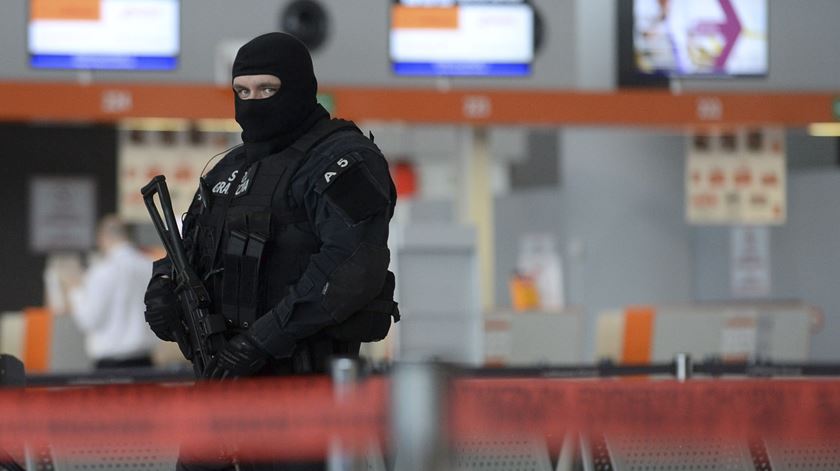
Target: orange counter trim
(112, 102)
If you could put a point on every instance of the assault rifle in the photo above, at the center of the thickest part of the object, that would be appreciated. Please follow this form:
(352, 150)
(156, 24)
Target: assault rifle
(202, 337)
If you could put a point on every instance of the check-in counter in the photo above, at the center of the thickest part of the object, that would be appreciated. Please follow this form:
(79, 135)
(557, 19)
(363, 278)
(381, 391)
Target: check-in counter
(531, 338)
(43, 341)
(738, 331)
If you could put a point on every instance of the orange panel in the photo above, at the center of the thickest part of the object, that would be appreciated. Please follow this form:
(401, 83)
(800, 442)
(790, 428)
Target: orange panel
(36, 344)
(65, 9)
(422, 17)
(638, 334)
(110, 102)
(632, 108)
(405, 179)
(65, 101)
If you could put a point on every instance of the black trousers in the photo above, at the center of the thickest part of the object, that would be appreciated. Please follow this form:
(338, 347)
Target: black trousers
(133, 362)
(313, 359)
(297, 466)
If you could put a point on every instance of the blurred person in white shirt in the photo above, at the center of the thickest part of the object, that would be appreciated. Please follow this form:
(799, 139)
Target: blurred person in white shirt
(107, 302)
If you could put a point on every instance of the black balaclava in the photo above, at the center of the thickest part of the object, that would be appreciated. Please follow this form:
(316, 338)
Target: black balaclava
(280, 117)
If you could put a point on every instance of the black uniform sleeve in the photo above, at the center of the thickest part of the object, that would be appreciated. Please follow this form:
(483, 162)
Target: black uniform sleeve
(351, 202)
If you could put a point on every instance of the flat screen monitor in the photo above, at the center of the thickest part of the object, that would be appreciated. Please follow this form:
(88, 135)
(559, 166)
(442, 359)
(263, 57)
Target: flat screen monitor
(104, 34)
(461, 37)
(700, 37)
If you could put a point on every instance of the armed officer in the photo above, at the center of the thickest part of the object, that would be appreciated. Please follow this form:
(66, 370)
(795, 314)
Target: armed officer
(289, 230)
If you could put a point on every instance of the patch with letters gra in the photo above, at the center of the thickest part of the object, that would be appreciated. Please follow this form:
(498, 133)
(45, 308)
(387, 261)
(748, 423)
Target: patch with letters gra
(247, 178)
(348, 184)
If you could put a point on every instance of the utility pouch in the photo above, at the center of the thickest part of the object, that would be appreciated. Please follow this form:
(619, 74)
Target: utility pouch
(242, 264)
(372, 322)
(237, 241)
(249, 280)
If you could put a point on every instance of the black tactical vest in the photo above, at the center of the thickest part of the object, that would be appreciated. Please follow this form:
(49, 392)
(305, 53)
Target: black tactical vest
(253, 244)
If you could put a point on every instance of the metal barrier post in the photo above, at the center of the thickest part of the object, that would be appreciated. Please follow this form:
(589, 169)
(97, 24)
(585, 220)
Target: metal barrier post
(345, 374)
(684, 368)
(419, 403)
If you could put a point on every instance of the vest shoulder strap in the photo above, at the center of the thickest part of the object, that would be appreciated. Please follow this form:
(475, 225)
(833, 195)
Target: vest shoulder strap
(321, 131)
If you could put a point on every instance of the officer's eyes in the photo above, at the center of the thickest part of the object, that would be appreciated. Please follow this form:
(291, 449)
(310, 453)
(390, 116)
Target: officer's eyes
(246, 93)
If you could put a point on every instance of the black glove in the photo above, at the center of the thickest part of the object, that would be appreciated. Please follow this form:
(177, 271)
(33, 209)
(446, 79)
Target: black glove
(163, 311)
(240, 357)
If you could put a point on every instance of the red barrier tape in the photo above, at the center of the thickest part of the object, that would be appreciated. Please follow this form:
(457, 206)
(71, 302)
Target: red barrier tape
(290, 418)
(298, 418)
(780, 409)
